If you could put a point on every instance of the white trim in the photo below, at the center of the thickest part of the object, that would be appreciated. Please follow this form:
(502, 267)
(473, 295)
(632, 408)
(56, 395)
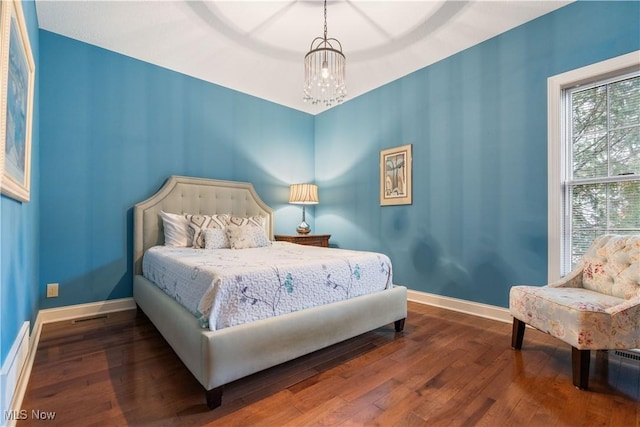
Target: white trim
(555, 85)
(51, 315)
(12, 370)
(473, 308)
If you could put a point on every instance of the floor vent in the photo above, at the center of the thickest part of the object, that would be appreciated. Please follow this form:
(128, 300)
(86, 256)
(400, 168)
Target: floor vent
(632, 356)
(87, 319)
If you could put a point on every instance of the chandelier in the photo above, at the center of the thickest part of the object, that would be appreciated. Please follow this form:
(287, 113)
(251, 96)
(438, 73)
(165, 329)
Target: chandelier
(325, 70)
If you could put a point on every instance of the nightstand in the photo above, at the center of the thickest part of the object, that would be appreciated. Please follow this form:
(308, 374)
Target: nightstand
(305, 239)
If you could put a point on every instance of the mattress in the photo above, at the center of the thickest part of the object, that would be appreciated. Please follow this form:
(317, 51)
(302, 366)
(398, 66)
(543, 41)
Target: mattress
(227, 287)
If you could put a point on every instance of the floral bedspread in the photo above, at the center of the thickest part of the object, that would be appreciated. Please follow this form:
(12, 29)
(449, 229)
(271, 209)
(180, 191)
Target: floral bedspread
(227, 287)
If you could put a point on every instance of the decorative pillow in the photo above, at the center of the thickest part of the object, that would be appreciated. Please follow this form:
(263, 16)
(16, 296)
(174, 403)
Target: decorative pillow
(199, 223)
(246, 236)
(256, 221)
(216, 238)
(176, 229)
(259, 236)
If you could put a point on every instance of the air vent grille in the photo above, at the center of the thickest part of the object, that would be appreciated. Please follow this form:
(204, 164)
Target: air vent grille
(87, 319)
(628, 355)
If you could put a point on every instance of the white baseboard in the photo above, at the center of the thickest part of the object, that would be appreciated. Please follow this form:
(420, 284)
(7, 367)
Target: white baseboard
(14, 392)
(50, 315)
(474, 308)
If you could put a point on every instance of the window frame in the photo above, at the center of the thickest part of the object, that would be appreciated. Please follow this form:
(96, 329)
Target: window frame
(559, 152)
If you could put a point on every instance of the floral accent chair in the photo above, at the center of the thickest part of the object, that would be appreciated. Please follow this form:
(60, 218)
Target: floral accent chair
(595, 307)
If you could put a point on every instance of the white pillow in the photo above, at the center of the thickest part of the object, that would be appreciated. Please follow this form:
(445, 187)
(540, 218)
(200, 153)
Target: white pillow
(176, 229)
(260, 238)
(216, 238)
(246, 236)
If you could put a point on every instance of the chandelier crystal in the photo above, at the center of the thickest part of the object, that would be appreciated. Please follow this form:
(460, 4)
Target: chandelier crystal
(325, 70)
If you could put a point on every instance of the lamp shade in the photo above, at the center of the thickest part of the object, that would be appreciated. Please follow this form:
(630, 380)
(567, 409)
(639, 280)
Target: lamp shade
(303, 194)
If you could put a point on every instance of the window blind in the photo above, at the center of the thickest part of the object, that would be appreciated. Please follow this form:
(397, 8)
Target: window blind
(602, 192)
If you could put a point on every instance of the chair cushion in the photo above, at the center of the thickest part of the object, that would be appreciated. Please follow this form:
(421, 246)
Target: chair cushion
(575, 315)
(611, 266)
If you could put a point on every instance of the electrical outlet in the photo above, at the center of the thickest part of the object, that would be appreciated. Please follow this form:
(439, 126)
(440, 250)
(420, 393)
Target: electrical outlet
(52, 290)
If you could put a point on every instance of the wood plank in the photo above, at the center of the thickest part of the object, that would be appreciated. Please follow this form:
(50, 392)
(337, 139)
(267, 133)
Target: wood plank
(445, 368)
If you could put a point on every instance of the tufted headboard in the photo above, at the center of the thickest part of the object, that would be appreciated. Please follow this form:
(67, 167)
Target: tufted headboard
(181, 194)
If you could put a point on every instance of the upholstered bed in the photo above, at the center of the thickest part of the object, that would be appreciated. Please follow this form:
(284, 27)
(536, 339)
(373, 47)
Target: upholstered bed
(218, 357)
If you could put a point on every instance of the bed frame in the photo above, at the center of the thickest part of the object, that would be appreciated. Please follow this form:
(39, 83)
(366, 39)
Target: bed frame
(216, 358)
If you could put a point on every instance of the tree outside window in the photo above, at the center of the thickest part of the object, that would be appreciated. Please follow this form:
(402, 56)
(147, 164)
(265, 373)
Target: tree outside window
(603, 187)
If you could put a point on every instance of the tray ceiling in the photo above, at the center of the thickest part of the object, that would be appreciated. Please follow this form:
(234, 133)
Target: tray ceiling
(257, 47)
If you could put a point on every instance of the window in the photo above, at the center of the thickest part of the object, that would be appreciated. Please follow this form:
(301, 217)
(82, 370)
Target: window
(602, 187)
(594, 157)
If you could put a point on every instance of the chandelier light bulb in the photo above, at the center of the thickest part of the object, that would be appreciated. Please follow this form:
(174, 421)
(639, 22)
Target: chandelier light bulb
(325, 70)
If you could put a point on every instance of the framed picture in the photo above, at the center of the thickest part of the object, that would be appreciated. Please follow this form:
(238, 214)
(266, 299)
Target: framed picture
(395, 176)
(16, 102)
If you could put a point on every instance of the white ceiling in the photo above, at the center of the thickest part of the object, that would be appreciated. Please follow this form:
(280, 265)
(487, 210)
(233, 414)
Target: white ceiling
(257, 47)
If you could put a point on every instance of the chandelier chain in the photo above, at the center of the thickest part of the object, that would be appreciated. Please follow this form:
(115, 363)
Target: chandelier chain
(325, 20)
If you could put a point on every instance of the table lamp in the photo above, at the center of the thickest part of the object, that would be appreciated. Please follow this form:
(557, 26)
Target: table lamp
(303, 194)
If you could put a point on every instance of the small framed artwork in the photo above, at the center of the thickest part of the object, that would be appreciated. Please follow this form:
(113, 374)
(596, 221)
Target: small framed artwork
(395, 176)
(17, 72)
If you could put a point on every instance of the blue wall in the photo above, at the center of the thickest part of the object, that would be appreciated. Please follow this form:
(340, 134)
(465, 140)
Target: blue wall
(19, 230)
(478, 124)
(113, 130)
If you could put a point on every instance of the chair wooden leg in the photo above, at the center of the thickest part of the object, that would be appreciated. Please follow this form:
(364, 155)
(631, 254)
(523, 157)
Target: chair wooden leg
(517, 333)
(580, 365)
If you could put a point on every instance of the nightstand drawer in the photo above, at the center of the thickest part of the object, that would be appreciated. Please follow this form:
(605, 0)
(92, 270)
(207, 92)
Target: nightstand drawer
(305, 239)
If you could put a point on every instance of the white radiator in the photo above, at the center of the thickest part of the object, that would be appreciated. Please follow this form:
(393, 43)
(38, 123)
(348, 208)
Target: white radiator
(10, 375)
(629, 356)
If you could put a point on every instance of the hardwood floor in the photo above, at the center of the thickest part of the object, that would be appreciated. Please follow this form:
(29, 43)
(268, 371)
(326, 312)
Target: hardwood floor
(445, 369)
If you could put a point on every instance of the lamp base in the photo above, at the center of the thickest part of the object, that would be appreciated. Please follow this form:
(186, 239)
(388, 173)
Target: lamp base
(303, 228)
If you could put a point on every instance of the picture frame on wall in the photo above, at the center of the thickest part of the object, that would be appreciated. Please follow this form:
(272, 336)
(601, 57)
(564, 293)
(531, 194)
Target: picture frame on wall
(395, 176)
(17, 75)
